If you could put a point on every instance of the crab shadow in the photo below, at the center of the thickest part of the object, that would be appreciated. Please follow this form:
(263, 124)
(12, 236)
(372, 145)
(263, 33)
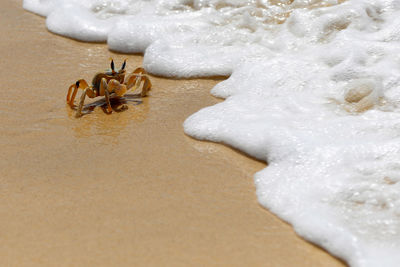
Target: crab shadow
(118, 104)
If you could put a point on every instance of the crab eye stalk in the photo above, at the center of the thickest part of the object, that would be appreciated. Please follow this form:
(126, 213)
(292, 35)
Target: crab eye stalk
(112, 66)
(123, 65)
(77, 84)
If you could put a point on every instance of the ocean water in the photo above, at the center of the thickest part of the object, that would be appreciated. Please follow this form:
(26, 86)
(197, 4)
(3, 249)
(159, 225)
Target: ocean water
(313, 89)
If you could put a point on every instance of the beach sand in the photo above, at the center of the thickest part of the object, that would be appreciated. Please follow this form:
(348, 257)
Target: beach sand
(127, 189)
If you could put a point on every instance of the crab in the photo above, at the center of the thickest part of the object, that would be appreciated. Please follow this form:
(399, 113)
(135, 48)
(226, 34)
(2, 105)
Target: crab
(110, 84)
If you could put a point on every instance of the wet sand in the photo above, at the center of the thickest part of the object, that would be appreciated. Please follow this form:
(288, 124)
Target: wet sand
(127, 189)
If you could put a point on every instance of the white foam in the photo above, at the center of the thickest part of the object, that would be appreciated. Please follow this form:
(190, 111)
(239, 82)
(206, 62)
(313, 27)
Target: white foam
(313, 90)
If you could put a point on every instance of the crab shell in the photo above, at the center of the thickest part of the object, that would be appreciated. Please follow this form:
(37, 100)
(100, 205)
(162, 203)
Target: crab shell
(119, 76)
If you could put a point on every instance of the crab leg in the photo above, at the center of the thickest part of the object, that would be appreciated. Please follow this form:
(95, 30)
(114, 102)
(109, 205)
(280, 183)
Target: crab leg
(139, 71)
(131, 82)
(69, 92)
(135, 80)
(70, 100)
(90, 93)
(104, 91)
(79, 84)
(79, 110)
(146, 86)
(138, 81)
(107, 95)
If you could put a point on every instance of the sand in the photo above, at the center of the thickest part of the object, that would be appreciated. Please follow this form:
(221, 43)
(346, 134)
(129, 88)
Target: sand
(127, 189)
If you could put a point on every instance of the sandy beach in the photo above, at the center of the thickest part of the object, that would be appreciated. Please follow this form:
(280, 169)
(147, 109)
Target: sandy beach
(126, 189)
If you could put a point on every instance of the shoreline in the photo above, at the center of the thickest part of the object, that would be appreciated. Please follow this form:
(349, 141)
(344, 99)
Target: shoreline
(124, 189)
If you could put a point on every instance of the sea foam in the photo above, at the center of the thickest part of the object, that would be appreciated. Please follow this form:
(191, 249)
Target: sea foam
(313, 90)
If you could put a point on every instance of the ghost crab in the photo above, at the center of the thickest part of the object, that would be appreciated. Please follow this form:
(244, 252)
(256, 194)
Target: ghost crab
(109, 84)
